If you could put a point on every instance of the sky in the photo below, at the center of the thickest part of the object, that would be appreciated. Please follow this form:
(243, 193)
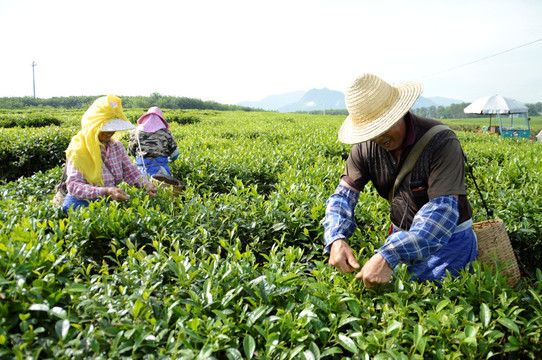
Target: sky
(232, 51)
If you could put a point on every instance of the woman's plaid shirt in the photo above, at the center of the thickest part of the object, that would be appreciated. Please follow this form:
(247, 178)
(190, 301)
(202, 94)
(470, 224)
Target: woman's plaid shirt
(117, 167)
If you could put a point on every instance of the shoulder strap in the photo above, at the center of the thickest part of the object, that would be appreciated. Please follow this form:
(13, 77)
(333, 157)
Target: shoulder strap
(64, 176)
(412, 157)
(63, 179)
(489, 212)
(137, 133)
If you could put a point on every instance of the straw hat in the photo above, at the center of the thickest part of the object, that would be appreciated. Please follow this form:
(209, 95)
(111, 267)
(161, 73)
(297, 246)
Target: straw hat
(117, 125)
(374, 106)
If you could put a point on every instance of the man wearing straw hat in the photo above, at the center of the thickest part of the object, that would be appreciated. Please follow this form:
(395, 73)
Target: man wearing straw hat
(430, 214)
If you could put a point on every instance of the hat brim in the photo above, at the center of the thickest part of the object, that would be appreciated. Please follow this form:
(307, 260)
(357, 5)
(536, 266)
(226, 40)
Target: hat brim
(147, 114)
(117, 125)
(350, 133)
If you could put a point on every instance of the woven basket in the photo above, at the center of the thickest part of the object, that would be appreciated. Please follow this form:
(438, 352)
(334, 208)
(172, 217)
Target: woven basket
(163, 181)
(493, 242)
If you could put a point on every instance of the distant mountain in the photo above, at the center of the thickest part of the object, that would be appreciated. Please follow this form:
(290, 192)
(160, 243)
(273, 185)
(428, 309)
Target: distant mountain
(423, 102)
(317, 99)
(441, 101)
(325, 99)
(274, 102)
(434, 101)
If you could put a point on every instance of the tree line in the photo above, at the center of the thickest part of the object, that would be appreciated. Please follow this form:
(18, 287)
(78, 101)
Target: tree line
(455, 111)
(144, 102)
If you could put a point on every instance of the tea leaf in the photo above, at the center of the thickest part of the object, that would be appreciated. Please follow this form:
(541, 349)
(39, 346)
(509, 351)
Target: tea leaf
(332, 351)
(249, 345)
(205, 352)
(39, 307)
(307, 355)
(509, 324)
(470, 335)
(58, 312)
(61, 328)
(315, 350)
(393, 327)
(233, 354)
(256, 314)
(347, 320)
(485, 314)
(418, 335)
(347, 343)
(441, 305)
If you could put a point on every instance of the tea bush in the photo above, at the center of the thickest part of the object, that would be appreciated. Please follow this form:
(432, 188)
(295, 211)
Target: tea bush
(26, 151)
(11, 120)
(234, 268)
(508, 172)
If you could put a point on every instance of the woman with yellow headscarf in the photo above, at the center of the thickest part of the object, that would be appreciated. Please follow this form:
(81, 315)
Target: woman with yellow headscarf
(96, 161)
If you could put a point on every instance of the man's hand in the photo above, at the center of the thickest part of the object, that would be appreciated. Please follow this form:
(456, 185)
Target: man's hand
(151, 188)
(116, 194)
(375, 271)
(342, 257)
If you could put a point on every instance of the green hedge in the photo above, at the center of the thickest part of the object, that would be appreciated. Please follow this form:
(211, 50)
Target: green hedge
(12, 120)
(26, 151)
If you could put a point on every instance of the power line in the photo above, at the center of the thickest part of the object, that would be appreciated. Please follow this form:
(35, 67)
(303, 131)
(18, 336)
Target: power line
(484, 58)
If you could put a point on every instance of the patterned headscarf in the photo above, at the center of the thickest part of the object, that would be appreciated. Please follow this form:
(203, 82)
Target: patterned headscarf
(84, 149)
(152, 121)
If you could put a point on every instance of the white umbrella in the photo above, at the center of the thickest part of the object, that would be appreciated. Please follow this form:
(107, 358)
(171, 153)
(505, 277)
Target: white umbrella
(495, 104)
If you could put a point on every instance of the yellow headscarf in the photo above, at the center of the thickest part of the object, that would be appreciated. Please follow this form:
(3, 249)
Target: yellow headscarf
(84, 149)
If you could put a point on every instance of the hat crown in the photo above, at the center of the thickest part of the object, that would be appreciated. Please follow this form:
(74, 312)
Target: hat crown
(374, 106)
(368, 97)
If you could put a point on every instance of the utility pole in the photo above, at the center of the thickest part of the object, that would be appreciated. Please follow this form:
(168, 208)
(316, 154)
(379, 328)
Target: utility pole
(34, 78)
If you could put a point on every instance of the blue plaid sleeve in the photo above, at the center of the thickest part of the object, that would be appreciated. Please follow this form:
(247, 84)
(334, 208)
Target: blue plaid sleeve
(431, 228)
(339, 222)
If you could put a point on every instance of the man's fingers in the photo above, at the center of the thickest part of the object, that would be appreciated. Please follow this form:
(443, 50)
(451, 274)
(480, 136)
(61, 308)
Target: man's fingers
(375, 271)
(361, 275)
(345, 267)
(341, 264)
(342, 257)
(351, 259)
(348, 265)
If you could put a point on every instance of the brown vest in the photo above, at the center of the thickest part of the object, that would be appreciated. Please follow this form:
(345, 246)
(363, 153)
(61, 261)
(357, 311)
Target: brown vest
(439, 171)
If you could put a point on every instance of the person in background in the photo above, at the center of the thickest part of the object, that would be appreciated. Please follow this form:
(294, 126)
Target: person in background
(96, 161)
(430, 213)
(152, 144)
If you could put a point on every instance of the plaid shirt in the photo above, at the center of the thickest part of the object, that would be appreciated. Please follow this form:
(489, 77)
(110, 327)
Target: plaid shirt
(116, 168)
(339, 222)
(432, 227)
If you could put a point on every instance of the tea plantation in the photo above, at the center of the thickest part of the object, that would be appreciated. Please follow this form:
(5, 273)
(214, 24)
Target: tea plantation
(234, 267)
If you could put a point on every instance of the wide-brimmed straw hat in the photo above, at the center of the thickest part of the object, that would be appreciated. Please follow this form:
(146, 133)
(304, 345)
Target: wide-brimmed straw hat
(374, 106)
(117, 125)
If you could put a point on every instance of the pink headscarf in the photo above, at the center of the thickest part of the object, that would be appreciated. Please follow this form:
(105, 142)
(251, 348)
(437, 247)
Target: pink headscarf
(152, 121)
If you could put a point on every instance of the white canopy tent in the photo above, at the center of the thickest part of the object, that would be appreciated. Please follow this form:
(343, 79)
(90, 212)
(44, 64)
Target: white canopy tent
(500, 105)
(495, 104)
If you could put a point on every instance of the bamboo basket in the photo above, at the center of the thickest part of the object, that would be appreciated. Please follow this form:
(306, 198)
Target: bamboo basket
(493, 242)
(163, 181)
